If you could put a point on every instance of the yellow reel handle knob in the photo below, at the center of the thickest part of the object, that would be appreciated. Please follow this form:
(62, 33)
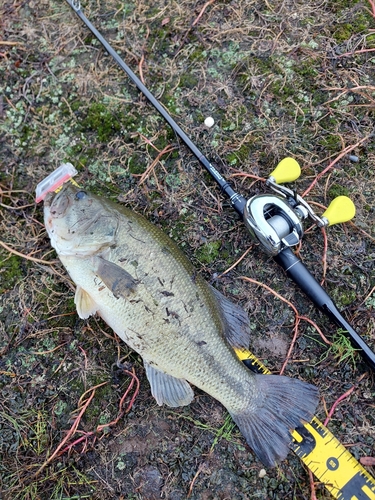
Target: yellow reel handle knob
(341, 209)
(287, 170)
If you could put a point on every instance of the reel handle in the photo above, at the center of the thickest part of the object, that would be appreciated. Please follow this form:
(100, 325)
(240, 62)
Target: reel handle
(287, 170)
(341, 209)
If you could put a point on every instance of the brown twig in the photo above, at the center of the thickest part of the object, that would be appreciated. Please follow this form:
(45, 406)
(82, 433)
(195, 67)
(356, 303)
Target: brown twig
(85, 355)
(121, 412)
(298, 318)
(236, 263)
(367, 296)
(28, 257)
(140, 69)
(8, 207)
(200, 468)
(150, 168)
(8, 374)
(207, 4)
(72, 430)
(341, 398)
(343, 153)
(360, 51)
(372, 4)
(244, 174)
(362, 231)
(312, 486)
(324, 256)
(368, 461)
(94, 434)
(140, 65)
(3, 42)
(48, 352)
(195, 22)
(335, 404)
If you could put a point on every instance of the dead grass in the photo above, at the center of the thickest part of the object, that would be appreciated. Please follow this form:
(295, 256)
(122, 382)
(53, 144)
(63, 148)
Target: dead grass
(282, 78)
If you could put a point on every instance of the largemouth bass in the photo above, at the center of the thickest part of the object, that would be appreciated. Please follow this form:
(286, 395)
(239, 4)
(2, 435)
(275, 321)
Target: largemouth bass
(135, 277)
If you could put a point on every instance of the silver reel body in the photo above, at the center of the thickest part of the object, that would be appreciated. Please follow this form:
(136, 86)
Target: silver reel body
(273, 223)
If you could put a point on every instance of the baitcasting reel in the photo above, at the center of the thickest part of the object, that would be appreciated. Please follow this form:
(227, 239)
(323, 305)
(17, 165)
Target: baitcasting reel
(275, 221)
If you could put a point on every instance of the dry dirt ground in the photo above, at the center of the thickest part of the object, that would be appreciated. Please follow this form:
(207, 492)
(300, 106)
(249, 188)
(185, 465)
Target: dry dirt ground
(283, 78)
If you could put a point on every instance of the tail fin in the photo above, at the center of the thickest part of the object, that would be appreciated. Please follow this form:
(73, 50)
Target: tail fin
(282, 404)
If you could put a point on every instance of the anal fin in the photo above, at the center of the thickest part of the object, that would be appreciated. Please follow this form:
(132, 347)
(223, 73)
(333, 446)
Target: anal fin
(168, 390)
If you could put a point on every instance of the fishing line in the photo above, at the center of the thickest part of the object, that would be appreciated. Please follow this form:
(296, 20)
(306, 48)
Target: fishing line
(275, 223)
(277, 229)
(237, 201)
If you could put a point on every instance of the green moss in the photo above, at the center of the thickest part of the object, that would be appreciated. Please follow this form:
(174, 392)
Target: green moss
(331, 142)
(348, 297)
(343, 32)
(307, 69)
(171, 104)
(136, 164)
(10, 272)
(281, 89)
(209, 252)
(239, 156)
(101, 120)
(188, 80)
(173, 180)
(337, 190)
(357, 24)
(94, 411)
(198, 54)
(232, 159)
(339, 5)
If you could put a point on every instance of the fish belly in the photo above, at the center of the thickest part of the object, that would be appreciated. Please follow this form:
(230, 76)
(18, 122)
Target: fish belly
(173, 331)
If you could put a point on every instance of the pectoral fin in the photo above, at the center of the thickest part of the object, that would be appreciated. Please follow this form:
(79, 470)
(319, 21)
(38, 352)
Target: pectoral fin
(84, 303)
(237, 326)
(119, 281)
(169, 390)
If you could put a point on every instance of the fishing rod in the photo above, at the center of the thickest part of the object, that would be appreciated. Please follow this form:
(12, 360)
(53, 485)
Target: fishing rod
(274, 221)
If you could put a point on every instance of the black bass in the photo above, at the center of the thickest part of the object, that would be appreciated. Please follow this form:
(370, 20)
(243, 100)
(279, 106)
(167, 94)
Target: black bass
(135, 277)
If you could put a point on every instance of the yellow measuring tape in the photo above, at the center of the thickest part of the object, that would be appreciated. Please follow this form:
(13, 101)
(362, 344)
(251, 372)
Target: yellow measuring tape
(329, 460)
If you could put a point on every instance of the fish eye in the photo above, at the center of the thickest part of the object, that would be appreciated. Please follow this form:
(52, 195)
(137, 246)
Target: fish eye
(81, 195)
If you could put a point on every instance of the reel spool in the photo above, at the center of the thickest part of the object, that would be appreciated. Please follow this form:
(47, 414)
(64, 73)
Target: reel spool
(275, 221)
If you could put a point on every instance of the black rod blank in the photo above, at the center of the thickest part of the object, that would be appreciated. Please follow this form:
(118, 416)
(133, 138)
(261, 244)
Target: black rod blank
(293, 266)
(237, 201)
(299, 273)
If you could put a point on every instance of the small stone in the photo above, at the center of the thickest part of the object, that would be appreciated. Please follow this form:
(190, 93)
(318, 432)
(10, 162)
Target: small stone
(262, 473)
(148, 481)
(354, 158)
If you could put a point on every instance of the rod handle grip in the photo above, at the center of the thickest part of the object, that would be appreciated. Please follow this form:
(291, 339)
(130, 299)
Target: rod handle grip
(341, 209)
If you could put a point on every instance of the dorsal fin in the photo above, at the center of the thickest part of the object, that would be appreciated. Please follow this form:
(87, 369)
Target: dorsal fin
(237, 325)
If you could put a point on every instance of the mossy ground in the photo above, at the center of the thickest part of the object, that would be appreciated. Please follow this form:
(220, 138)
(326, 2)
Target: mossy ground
(280, 79)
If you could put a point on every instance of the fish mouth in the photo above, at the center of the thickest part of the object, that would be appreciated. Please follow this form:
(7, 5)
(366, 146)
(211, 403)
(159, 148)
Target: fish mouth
(58, 203)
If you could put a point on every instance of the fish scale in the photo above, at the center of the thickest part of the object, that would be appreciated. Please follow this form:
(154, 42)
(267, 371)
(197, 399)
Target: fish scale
(170, 341)
(135, 277)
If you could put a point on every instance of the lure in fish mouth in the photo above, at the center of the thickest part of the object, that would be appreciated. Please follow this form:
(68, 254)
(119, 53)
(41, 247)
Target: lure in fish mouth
(134, 276)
